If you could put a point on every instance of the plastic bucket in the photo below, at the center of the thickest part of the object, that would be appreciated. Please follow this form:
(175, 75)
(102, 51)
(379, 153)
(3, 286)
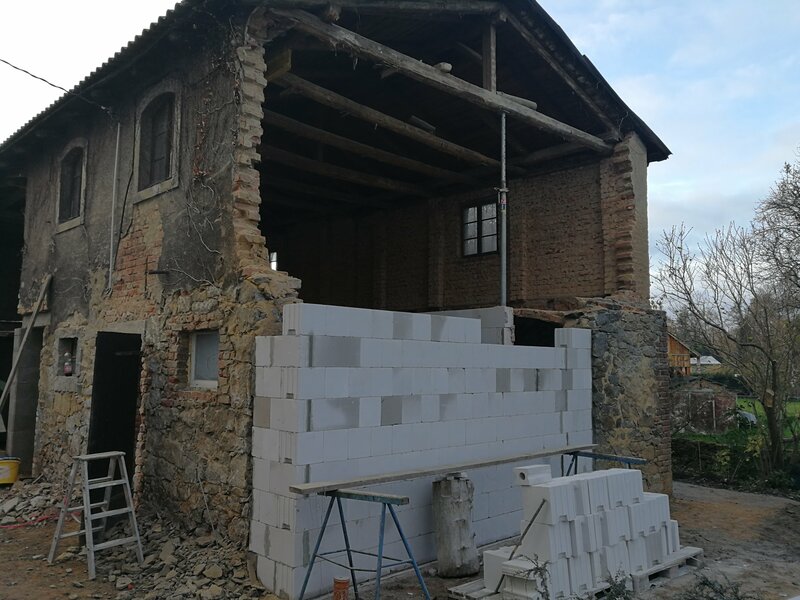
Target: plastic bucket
(9, 469)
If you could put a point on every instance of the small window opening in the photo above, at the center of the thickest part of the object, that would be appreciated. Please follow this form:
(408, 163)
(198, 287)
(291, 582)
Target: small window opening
(67, 363)
(155, 145)
(480, 229)
(273, 261)
(204, 359)
(71, 185)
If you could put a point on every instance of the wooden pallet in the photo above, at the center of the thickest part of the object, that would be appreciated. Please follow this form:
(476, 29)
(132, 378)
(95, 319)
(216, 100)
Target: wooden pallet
(680, 563)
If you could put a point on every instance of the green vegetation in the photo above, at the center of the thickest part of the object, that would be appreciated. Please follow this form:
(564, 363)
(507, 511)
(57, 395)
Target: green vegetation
(710, 589)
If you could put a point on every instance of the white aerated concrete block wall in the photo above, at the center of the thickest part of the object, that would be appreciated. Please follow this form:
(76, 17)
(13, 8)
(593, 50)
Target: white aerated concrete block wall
(346, 393)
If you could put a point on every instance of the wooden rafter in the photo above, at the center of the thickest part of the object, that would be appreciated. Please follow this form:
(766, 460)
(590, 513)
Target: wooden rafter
(355, 147)
(410, 67)
(455, 7)
(334, 100)
(551, 61)
(271, 153)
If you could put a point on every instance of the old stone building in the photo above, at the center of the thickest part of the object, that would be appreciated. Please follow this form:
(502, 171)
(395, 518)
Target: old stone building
(242, 155)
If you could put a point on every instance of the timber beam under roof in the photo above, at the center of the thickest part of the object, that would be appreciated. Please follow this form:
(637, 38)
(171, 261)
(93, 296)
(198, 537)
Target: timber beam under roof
(358, 45)
(421, 7)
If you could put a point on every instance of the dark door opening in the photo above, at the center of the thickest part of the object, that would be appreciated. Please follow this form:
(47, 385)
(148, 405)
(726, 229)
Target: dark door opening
(115, 397)
(21, 421)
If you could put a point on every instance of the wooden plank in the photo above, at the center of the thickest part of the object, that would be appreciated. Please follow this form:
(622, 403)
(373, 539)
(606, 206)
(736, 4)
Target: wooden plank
(271, 153)
(419, 71)
(350, 145)
(553, 152)
(370, 115)
(551, 61)
(327, 486)
(279, 63)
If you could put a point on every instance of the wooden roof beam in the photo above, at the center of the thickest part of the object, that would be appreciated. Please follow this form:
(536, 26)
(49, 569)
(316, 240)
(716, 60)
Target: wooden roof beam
(307, 189)
(421, 7)
(375, 117)
(339, 37)
(551, 61)
(350, 145)
(271, 153)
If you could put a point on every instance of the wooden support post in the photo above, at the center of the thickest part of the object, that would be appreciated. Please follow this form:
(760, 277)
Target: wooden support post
(419, 71)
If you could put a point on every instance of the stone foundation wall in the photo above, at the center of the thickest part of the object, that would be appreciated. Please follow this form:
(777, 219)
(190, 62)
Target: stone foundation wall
(630, 387)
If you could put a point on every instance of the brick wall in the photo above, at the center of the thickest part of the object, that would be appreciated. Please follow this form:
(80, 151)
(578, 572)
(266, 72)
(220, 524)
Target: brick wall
(347, 393)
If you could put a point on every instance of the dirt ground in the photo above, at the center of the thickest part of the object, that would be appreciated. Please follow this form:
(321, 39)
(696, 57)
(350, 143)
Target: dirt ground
(751, 539)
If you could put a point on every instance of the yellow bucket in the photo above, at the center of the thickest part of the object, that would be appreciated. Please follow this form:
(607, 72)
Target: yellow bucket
(9, 469)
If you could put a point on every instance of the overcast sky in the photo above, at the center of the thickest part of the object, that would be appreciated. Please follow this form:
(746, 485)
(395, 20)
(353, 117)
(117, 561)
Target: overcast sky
(717, 80)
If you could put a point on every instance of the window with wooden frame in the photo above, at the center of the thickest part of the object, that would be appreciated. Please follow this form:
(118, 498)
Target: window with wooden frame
(70, 191)
(479, 229)
(204, 359)
(156, 141)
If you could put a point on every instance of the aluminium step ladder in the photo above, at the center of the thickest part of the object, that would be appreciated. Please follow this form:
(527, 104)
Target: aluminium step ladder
(117, 476)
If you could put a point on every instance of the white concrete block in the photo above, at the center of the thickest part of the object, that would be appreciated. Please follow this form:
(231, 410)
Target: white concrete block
(359, 443)
(429, 408)
(580, 574)
(532, 474)
(560, 500)
(304, 319)
(411, 409)
(583, 533)
(493, 566)
(597, 487)
(382, 324)
(370, 382)
(309, 448)
(578, 438)
(523, 580)
(455, 406)
(336, 444)
(261, 474)
(290, 351)
(337, 382)
(381, 441)
(282, 475)
(369, 412)
(412, 326)
(263, 351)
(330, 351)
(660, 504)
(642, 519)
(657, 549)
(637, 554)
(288, 415)
(673, 537)
(579, 358)
(268, 382)
(614, 560)
(265, 570)
(615, 526)
(578, 379)
(573, 337)
(334, 413)
(551, 379)
(579, 399)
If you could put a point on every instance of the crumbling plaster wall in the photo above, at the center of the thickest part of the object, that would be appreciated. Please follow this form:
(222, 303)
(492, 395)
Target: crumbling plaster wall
(188, 259)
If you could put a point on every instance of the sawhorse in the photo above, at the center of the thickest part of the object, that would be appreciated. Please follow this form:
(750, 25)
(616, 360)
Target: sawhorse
(388, 502)
(573, 464)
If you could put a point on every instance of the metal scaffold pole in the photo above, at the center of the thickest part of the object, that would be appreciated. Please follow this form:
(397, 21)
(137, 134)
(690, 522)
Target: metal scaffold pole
(502, 193)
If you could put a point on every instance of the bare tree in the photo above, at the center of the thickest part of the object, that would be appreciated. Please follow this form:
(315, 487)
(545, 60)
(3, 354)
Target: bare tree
(734, 305)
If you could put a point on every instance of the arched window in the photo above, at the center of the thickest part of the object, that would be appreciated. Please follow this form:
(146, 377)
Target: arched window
(156, 143)
(71, 185)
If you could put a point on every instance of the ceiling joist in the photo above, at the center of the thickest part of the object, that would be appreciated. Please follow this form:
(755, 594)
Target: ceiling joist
(375, 117)
(419, 71)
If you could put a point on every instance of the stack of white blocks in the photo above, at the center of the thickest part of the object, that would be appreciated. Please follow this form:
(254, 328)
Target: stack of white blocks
(346, 393)
(593, 526)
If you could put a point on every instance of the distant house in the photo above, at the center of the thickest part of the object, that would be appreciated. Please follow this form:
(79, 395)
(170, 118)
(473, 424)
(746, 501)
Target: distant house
(680, 357)
(704, 365)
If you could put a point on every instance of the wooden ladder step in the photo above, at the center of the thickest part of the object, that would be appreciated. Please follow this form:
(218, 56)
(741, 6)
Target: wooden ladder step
(104, 482)
(111, 543)
(110, 513)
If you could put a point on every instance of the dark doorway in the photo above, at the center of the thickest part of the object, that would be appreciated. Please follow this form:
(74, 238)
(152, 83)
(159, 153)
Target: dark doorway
(115, 396)
(534, 332)
(21, 419)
